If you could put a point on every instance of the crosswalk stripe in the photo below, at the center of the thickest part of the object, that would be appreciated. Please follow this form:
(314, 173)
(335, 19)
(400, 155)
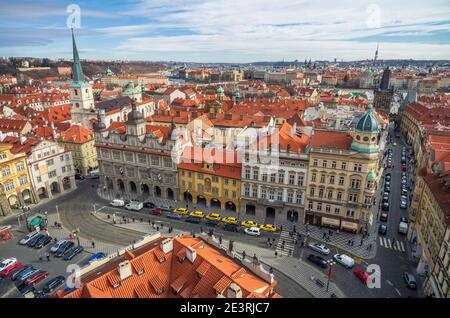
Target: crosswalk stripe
(381, 241)
(402, 247)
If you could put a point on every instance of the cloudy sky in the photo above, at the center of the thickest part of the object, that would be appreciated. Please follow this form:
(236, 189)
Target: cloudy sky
(227, 30)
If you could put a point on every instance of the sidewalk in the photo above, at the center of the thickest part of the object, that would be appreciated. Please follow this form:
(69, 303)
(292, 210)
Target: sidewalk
(294, 268)
(338, 240)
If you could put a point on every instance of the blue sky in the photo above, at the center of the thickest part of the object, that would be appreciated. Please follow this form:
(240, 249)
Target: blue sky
(228, 30)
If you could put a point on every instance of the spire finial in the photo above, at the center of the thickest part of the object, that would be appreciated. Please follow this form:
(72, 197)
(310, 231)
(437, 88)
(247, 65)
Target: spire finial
(76, 67)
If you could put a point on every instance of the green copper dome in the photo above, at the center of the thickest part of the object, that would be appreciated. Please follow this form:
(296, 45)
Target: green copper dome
(131, 90)
(372, 176)
(220, 90)
(368, 122)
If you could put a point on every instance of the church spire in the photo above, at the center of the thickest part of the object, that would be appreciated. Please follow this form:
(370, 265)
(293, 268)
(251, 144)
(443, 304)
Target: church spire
(76, 67)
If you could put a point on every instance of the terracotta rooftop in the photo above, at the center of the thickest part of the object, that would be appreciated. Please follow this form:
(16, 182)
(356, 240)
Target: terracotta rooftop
(171, 274)
(331, 139)
(77, 134)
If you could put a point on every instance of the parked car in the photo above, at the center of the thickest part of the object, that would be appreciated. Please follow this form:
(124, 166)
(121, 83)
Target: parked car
(117, 202)
(63, 248)
(22, 277)
(318, 247)
(11, 268)
(19, 271)
(43, 242)
(317, 260)
(74, 251)
(386, 198)
(182, 211)
(34, 240)
(382, 229)
(7, 262)
(344, 260)
(55, 247)
(149, 205)
(387, 189)
(385, 206)
(230, 220)
(403, 204)
(231, 228)
(156, 211)
(28, 237)
(53, 284)
(388, 178)
(362, 275)
(249, 223)
(174, 216)
(165, 208)
(383, 217)
(25, 289)
(193, 219)
(134, 205)
(253, 231)
(36, 278)
(197, 214)
(404, 219)
(268, 228)
(410, 280)
(213, 217)
(79, 176)
(96, 257)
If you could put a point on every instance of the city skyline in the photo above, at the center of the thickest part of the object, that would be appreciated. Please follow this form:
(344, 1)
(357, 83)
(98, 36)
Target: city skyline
(224, 32)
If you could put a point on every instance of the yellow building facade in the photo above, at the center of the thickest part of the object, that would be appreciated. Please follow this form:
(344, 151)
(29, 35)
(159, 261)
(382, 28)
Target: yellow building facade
(15, 182)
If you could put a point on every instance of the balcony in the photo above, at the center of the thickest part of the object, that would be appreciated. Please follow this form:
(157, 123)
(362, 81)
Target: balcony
(274, 203)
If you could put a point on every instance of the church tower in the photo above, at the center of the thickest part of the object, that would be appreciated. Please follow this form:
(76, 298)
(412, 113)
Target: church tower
(367, 133)
(136, 125)
(81, 96)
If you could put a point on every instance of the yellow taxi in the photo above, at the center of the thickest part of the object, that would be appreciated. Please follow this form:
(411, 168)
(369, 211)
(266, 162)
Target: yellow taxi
(197, 214)
(182, 211)
(213, 217)
(268, 228)
(230, 220)
(249, 223)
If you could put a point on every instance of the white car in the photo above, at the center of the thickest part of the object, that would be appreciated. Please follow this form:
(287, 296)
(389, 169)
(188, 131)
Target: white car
(345, 260)
(7, 262)
(117, 202)
(403, 204)
(57, 245)
(321, 248)
(28, 237)
(254, 231)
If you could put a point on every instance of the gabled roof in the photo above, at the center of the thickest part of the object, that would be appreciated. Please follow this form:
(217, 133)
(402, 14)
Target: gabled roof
(77, 134)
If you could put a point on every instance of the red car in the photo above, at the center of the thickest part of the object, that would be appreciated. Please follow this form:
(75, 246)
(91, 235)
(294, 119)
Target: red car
(363, 276)
(389, 165)
(8, 270)
(36, 278)
(383, 217)
(156, 211)
(403, 167)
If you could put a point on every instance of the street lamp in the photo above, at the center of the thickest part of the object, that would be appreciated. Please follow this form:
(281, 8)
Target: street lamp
(329, 272)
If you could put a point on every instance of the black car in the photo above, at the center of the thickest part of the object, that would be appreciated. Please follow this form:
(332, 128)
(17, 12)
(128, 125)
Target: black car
(43, 242)
(53, 284)
(231, 228)
(149, 205)
(34, 240)
(388, 178)
(19, 271)
(385, 206)
(63, 248)
(387, 189)
(193, 219)
(79, 176)
(24, 289)
(211, 223)
(382, 229)
(319, 261)
(69, 254)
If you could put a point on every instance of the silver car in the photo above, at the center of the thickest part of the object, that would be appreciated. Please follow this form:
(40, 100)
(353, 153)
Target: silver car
(321, 248)
(57, 245)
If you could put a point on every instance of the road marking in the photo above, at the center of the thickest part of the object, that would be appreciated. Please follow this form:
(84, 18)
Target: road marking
(105, 206)
(389, 282)
(381, 241)
(402, 247)
(398, 292)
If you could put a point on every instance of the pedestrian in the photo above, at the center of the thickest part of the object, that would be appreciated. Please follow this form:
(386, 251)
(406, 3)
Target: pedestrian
(93, 244)
(303, 243)
(157, 228)
(281, 228)
(48, 257)
(361, 243)
(243, 255)
(349, 242)
(324, 235)
(276, 253)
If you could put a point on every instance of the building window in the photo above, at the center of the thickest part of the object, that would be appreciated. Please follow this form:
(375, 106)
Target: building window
(320, 193)
(357, 167)
(200, 176)
(328, 208)
(247, 190)
(155, 161)
(311, 192)
(300, 180)
(116, 155)
(50, 162)
(350, 213)
(310, 205)
(281, 177)
(9, 186)
(290, 197)
(331, 181)
(355, 183)
(299, 198)
(337, 210)
(200, 187)
(271, 195)
(3, 155)
(273, 177)
(353, 197)
(264, 177)
(341, 181)
(313, 177)
(247, 173)
(315, 162)
(330, 195)
(339, 195)
(256, 174)
(20, 166)
(344, 166)
(23, 180)
(254, 191)
(291, 178)
(280, 195)
(168, 162)
(319, 206)
(6, 171)
(263, 193)
(324, 163)
(368, 200)
(322, 178)
(142, 158)
(61, 158)
(333, 165)
(39, 179)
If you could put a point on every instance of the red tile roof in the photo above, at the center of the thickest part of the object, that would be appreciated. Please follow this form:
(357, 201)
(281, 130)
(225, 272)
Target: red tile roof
(77, 134)
(331, 139)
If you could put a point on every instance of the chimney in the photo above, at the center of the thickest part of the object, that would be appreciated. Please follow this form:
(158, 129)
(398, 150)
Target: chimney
(191, 254)
(167, 245)
(292, 131)
(234, 291)
(124, 270)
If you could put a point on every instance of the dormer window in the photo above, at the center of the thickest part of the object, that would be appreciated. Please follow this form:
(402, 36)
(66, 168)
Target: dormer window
(116, 285)
(140, 272)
